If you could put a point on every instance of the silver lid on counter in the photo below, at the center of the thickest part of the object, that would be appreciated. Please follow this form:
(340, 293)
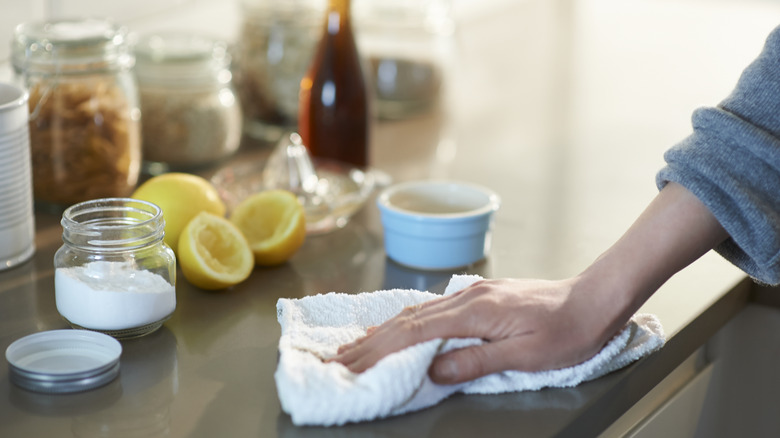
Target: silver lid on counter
(63, 361)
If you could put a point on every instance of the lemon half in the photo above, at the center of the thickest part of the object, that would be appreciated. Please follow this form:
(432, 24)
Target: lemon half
(273, 222)
(213, 254)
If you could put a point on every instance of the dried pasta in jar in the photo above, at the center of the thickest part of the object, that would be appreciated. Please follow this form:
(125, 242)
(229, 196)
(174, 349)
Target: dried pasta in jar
(84, 140)
(85, 134)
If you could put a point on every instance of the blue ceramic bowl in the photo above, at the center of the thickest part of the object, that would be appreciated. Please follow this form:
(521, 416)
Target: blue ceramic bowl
(437, 225)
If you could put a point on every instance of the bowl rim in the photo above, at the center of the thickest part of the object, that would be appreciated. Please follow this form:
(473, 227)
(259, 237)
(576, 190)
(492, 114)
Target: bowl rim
(492, 204)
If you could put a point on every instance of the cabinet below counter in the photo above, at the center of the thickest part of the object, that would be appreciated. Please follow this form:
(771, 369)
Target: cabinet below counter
(728, 387)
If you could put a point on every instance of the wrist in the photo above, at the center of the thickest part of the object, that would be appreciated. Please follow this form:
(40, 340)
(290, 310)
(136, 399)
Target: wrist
(608, 293)
(672, 232)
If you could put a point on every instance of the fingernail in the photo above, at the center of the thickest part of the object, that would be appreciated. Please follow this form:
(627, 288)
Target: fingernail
(445, 370)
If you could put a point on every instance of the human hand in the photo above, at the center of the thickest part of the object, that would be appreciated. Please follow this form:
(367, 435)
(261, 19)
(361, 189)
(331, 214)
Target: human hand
(528, 325)
(532, 325)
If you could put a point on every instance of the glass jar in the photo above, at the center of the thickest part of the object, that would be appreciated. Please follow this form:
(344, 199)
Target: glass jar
(409, 46)
(191, 117)
(273, 52)
(84, 116)
(113, 273)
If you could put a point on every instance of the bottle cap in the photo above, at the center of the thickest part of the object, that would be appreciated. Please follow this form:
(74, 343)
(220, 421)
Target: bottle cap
(63, 361)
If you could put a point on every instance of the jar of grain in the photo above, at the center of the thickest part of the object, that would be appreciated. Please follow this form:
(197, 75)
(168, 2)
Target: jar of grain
(84, 117)
(272, 53)
(191, 117)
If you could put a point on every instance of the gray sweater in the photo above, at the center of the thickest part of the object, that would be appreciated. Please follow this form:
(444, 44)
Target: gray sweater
(731, 162)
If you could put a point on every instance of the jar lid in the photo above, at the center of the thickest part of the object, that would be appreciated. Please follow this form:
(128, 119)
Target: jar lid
(177, 57)
(62, 361)
(66, 46)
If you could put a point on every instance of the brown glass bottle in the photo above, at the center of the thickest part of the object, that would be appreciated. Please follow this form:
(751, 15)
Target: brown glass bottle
(333, 118)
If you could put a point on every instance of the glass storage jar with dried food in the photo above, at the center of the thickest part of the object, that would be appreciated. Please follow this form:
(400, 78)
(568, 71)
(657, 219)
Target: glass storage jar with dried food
(114, 273)
(84, 117)
(273, 52)
(410, 46)
(191, 117)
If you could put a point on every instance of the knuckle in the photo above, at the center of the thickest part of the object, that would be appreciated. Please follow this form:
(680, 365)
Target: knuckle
(480, 287)
(410, 311)
(410, 322)
(415, 327)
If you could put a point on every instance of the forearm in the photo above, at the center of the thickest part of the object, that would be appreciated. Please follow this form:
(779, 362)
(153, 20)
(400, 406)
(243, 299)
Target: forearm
(674, 230)
(731, 160)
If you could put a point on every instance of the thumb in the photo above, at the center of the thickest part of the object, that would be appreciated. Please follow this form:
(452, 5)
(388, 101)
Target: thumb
(468, 363)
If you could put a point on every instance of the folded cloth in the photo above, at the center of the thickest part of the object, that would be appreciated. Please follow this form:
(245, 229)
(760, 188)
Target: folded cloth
(315, 392)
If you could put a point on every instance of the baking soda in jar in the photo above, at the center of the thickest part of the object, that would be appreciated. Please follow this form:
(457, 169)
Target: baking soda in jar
(112, 296)
(114, 273)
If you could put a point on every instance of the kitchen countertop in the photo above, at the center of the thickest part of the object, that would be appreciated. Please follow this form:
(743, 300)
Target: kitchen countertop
(564, 108)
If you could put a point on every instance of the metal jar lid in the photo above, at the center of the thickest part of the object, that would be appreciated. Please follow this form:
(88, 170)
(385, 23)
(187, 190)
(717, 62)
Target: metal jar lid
(63, 361)
(70, 46)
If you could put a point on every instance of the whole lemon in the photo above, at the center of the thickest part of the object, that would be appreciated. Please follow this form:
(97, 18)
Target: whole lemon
(181, 196)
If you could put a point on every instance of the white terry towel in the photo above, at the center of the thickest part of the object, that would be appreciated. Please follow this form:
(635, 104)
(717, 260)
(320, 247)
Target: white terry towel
(317, 393)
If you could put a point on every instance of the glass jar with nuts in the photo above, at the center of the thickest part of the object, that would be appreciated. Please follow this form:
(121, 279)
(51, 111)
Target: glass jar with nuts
(84, 116)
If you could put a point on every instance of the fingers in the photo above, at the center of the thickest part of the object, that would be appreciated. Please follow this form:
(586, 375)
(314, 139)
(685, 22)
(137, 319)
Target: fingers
(444, 317)
(473, 362)
(348, 346)
(528, 352)
(367, 351)
(415, 324)
(468, 363)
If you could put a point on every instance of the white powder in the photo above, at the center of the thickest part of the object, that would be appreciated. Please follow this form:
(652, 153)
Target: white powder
(112, 296)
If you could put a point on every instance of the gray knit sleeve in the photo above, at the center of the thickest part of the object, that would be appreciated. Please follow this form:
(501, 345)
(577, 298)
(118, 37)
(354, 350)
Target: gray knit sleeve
(731, 162)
